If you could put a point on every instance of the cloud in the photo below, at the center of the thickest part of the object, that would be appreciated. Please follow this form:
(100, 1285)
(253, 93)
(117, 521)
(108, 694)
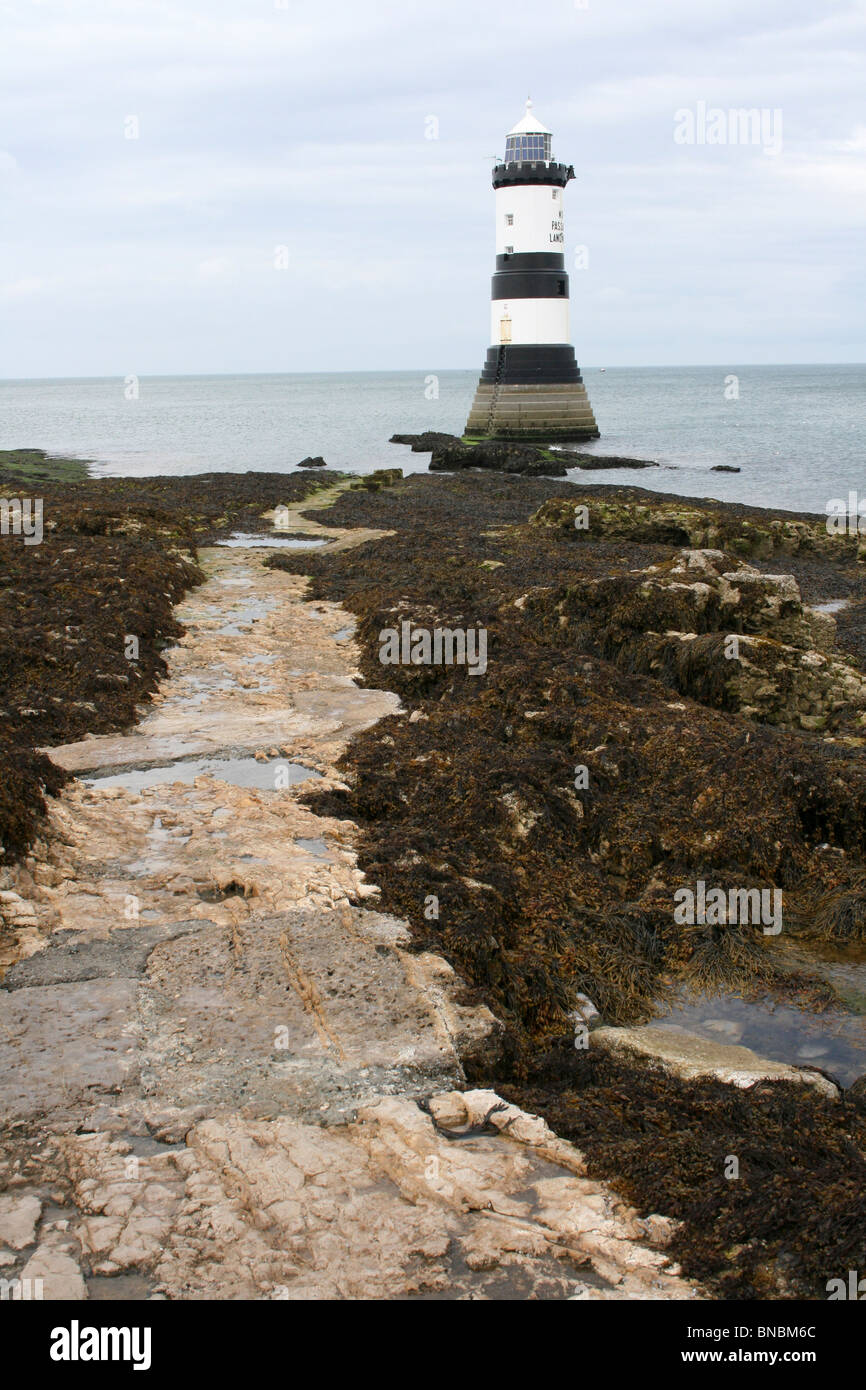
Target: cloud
(21, 289)
(214, 267)
(305, 126)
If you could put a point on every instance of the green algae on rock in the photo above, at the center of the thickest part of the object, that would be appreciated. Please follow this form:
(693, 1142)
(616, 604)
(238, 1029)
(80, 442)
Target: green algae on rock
(29, 467)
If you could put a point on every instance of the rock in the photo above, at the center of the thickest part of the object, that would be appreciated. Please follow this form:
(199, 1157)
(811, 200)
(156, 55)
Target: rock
(700, 527)
(677, 621)
(598, 462)
(425, 442)
(380, 478)
(504, 456)
(691, 1057)
(856, 1094)
(724, 468)
(508, 456)
(309, 462)
(19, 1217)
(61, 1277)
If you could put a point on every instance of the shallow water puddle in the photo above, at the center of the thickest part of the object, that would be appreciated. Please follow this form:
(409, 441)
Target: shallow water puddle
(240, 772)
(248, 540)
(244, 613)
(197, 689)
(835, 1042)
(833, 605)
(316, 847)
(844, 967)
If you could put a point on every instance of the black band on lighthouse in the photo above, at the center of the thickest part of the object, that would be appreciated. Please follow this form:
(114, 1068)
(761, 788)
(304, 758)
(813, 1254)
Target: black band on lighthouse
(529, 284)
(531, 364)
(531, 260)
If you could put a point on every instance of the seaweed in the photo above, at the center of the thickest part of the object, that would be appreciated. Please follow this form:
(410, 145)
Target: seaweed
(548, 886)
(115, 557)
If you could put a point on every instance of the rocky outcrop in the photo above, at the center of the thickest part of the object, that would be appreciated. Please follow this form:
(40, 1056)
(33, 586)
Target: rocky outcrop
(502, 455)
(592, 517)
(379, 478)
(425, 442)
(450, 455)
(720, 631)
(311, 462)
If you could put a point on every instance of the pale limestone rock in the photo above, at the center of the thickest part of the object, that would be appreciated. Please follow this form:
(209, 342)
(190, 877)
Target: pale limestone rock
(61, 1277)
(19, 1217)
(690, 1056)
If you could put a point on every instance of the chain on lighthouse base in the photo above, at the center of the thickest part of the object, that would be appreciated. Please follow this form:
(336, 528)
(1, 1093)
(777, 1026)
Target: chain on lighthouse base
(532, 393)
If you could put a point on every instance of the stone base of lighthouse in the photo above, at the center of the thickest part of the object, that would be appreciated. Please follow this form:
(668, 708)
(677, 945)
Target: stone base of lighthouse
(531, 392)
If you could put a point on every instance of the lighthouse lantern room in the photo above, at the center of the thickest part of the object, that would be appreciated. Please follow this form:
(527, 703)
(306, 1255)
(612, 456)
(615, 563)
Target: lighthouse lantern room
(531, 386)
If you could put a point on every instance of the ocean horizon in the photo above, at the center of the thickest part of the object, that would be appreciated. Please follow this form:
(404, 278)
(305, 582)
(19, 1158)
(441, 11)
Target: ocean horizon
(797, 433)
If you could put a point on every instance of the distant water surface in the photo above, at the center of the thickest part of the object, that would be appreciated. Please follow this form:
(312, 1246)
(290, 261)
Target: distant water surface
(797, 433)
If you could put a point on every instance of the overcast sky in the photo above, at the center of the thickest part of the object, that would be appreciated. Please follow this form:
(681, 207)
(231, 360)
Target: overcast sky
(304, 125)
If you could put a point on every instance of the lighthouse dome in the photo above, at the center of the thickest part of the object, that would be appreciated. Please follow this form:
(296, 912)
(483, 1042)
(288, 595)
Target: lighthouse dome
(528, 140)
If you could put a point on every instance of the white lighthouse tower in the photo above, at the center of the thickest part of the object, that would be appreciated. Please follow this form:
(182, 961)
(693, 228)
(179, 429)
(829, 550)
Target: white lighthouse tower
(531, 386)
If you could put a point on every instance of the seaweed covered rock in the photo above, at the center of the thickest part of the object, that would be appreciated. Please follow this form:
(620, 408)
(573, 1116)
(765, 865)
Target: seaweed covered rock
(765, 680)
(450, 454)
(426, 441)
(591, 516)
(734, 638)
(502, 455)
(379, 478)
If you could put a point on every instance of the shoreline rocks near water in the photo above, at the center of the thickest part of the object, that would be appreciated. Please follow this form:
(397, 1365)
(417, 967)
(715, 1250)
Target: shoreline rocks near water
(451, 454)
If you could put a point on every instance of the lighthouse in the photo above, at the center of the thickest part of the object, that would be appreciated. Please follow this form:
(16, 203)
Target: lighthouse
(531, 386)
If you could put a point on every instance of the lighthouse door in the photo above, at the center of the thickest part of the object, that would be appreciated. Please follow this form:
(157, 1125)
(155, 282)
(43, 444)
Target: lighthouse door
(505, 328)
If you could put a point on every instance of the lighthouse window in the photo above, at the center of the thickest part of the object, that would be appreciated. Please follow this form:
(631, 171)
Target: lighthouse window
(562, 287)
(527, 147)
(509, 250)
(509, 219)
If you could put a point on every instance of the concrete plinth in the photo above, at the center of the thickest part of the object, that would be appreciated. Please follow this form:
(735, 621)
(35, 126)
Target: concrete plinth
(524, 411)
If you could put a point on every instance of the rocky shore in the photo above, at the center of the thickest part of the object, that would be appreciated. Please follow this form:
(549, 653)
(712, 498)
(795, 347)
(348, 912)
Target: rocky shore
(449, 454)
(299, 948)
(745, 774)
(224, 1071)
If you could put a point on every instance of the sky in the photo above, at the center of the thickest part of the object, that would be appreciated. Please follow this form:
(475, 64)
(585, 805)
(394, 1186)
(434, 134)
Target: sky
(281, 185)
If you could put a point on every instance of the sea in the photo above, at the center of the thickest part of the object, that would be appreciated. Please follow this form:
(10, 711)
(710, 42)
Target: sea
(796, 433)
